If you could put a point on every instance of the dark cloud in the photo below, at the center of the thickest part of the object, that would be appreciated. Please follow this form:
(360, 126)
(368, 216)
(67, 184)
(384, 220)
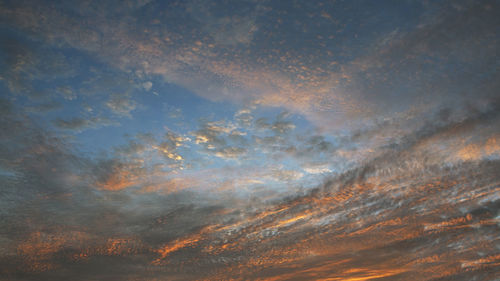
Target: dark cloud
(380, 220)
(392, 174)
(224, 26)
(56, 217)
(26, 64)
(279, 126)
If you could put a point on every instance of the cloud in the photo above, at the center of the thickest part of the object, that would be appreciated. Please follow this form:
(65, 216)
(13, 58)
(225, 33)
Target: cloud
(488, 148)
(168, 148)
(229, 29)
(43, 107)
(67, 93)
(147, 85)
(316, 168)
(330, 91)
(121, 104)
(244, 117)
(119, 176)
(79, 124)
(221, 139)
(286, 175)
(56, 188)
(230, 152)
(280, 126)
(372, 221)
(28, 63)
(289, 223)
(408, 122)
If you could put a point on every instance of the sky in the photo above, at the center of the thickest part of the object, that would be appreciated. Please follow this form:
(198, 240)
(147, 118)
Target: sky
(249, 140)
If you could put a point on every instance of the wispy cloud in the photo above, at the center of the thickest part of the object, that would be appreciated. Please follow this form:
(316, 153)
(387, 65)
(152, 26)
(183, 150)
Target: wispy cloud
(121, 104)
(79, 124)
(254, 141)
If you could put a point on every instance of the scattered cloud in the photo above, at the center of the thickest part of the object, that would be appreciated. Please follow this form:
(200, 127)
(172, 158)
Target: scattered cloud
(44, 107)
(383, 163)
(225, 29)
(121, 104)
(147, 85)
(168, 148)
(79, 124)
(230, 152)
(316, 168)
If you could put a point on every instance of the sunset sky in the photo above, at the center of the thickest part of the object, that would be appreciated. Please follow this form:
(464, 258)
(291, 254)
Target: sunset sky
(249, 140)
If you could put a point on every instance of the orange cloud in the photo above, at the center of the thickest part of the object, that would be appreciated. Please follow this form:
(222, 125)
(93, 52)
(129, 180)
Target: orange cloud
(38, 250)
(470, 152)
(180, 243)
(366, 274)
(119, 180)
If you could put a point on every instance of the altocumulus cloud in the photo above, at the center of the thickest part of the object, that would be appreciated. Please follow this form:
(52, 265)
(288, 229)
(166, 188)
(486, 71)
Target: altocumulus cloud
(243, 140)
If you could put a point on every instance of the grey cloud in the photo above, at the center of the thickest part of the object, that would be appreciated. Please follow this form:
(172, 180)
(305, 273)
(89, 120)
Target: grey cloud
(67, 93)
(451, 36)
(401, 213)
(135, 145)
(147, 85)
(75, 123)
(227, 29)
(305, 149)
(465, 124)
(279, 126)
(348, 222)
(273, 144)
(244, 120)
(314, 147)
(121, 104)
(377, 213)
(26, 64)
(400, 67)
(395, 153)
(55, 218)
(286, 175)
(79, 124)
(221, 139)
(43, 107)
(282, 127)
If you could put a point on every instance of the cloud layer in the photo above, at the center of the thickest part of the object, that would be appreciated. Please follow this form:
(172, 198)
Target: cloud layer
(244, 140)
